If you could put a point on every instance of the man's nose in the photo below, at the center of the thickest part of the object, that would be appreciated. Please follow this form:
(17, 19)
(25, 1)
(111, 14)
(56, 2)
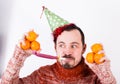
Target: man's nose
(68, 51)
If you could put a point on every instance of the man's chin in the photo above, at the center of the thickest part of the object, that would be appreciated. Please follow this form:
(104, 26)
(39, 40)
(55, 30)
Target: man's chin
(67, 66)
(67, 63)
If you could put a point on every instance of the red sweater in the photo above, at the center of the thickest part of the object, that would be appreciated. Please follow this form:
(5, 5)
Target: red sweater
(56, 74)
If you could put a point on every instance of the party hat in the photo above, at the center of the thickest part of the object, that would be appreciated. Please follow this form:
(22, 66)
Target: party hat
(54, 20)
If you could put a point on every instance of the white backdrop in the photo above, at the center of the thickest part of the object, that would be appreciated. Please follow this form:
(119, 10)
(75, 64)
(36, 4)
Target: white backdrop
(98, 19)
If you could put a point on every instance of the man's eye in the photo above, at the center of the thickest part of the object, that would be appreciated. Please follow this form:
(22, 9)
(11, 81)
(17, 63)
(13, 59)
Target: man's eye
(61, 46)
(74, 46)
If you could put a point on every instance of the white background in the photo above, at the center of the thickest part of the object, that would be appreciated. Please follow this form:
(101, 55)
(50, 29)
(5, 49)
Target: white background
(99, 19)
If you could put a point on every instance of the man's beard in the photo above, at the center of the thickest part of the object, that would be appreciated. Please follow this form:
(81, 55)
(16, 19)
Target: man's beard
(68, 65)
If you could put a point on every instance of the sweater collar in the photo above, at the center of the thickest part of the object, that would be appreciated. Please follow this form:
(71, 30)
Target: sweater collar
(63, 73)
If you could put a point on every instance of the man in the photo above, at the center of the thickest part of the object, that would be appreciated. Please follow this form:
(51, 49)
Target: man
(69, 69)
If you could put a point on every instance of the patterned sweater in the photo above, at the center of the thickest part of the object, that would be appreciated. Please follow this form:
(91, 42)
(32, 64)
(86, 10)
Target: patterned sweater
(56, 74)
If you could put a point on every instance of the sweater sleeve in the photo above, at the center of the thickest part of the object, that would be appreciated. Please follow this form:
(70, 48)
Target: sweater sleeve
(11, 74)
(104, 72)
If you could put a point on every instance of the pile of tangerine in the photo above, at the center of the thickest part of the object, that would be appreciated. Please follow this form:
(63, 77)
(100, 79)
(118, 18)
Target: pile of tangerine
(30, 41)
(95, 55)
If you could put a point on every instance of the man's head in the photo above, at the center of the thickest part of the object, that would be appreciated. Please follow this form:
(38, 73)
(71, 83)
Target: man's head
(69, 44)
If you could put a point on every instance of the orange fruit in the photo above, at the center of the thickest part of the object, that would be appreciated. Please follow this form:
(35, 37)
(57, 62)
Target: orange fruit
(97, 57)
(31, 36)
(35, 45)
(90, 57)
(96, 47)
(25, 45)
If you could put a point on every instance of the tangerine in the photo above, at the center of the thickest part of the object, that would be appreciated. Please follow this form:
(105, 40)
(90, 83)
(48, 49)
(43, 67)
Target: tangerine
(97, 58)
(96, 47)
(35, 45)
(90, 57)
(25, 45)
(31, 36)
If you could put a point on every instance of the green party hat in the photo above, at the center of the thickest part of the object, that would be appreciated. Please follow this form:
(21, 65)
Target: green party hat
(54, 20)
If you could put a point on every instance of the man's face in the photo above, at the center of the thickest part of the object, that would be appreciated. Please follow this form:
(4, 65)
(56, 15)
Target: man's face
(69, 48)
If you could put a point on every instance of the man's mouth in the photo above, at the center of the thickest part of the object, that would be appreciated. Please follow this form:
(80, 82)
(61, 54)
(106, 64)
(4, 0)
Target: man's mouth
(67, 59)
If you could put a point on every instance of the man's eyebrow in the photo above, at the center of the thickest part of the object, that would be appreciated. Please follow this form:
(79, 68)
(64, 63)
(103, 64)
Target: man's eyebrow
(61, 42)
(75, 43)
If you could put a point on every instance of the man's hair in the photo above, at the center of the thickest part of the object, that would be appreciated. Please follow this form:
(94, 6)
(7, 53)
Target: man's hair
(67, 27)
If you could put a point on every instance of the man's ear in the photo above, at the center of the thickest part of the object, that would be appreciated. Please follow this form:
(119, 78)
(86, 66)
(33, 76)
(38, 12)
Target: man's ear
(84, 48)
